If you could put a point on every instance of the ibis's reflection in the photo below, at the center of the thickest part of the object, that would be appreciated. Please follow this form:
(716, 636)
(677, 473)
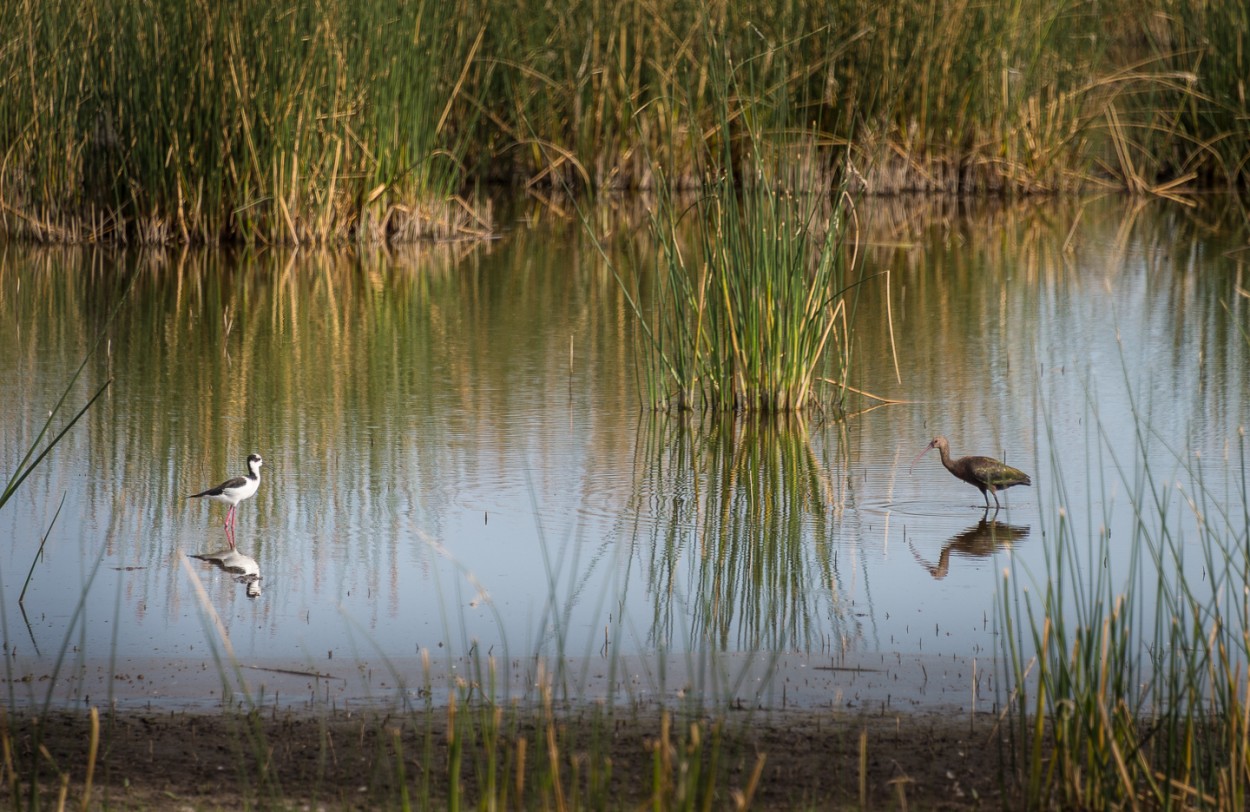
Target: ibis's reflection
(241, 566)
(979, 541)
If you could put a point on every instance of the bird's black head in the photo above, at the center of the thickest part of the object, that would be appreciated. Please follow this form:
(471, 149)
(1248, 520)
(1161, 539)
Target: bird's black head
(254, 462)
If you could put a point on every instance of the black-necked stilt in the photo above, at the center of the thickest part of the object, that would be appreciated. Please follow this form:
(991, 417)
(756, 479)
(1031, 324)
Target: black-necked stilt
(234, 491)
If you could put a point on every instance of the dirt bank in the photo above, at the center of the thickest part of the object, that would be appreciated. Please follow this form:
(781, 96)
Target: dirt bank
(374, 759)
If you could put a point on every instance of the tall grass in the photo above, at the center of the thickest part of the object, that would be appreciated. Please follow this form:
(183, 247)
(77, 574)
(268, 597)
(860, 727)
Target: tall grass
(1167, 107)
(333, 121)
(1135, 701)
(756, 320)
(258, 123)
(745, 310)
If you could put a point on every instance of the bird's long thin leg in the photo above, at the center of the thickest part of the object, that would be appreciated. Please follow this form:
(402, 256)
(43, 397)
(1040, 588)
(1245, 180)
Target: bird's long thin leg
(996, 505)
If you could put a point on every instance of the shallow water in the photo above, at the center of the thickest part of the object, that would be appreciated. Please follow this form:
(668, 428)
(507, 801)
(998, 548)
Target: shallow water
(456, 462)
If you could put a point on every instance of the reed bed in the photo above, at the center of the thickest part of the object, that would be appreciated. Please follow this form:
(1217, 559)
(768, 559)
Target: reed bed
(1138, 695)
(254, 123)
(331, 122)
(742, 304)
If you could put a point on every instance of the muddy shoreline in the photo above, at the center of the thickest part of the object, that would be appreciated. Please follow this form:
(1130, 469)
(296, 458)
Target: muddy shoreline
(228, 760)
(777, 732)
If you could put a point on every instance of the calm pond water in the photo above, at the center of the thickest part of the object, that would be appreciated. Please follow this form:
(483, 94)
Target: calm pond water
(456, 462)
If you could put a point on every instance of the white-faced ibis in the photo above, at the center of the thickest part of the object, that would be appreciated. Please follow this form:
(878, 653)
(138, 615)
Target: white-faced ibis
(234, 491)
(986, 474)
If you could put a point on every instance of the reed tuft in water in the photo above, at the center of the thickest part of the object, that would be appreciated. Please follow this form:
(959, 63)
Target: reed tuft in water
(745, 309)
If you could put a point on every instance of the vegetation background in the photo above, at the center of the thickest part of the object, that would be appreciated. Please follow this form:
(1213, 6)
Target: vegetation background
(330, 122)
(325, 120)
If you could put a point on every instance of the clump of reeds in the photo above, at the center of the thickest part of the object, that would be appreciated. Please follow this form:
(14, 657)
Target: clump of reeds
(1203, 112)
(1136, 705)
(755, 320)
(745, 310)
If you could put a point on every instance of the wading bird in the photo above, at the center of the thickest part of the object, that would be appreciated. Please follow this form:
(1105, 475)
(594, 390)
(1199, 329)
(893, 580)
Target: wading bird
(984, 473)
(234, 491)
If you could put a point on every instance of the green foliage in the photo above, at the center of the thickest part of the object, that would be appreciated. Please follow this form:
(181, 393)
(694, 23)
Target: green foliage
(752, 317)
(327, 121)
(252, 122)
(1132, 705)
(753, 322)
(1207, 44)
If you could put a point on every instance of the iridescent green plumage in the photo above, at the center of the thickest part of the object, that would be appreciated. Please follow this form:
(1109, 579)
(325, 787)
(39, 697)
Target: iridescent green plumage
(986, 474)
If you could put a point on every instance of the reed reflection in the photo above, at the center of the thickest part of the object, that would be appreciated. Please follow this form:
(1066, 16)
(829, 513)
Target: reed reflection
(742, 546)
(982, 540)
(240, 566)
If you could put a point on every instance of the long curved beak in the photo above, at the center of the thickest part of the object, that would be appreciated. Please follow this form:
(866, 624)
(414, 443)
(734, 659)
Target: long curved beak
(918, 456)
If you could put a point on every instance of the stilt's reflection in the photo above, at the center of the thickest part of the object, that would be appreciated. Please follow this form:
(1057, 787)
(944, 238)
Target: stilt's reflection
(242, 567)
(979, 541)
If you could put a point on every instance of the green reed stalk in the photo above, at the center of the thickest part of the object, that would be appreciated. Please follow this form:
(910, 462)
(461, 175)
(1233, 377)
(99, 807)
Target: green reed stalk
(21, 598)
(401, 779)
(31, 460)
(455, 750)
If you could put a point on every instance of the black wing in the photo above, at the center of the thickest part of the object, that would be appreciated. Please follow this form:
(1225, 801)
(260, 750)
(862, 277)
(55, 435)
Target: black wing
(237, 482)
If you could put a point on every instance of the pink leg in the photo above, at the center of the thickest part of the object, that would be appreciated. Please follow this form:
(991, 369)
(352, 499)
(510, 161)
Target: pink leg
(230, 537)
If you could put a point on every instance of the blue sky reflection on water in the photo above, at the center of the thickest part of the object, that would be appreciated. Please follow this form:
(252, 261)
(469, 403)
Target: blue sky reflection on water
(455, 456)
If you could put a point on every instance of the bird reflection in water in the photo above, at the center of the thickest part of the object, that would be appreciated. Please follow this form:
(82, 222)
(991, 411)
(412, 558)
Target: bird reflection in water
(981, 540)
(240, 566)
